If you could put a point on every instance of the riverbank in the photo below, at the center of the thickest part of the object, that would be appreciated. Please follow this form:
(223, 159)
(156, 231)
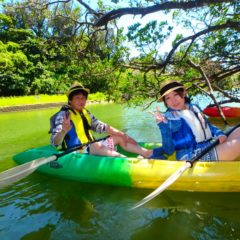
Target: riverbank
(31, 102)
(38, 106)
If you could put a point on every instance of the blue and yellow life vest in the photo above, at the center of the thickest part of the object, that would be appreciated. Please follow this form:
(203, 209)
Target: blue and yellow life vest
(80, 132)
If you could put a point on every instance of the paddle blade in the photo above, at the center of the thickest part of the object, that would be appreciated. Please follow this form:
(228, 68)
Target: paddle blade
(163, 186)
(19, 172)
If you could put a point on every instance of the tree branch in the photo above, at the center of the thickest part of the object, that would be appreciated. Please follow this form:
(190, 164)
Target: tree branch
(210, 94)
(155, 8)
(90, 10)
(228, 24)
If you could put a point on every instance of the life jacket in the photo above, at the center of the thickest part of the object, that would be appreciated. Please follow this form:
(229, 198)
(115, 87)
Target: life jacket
(195, 120)
(82, 127)
(80, 132)
(198, 124)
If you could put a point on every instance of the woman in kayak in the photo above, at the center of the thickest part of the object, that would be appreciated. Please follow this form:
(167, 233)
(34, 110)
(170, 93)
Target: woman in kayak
(73, 126)
(186, 130)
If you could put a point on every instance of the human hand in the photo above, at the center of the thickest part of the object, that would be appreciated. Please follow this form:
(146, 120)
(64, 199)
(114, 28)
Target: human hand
(158, 116)
(222, 138)
(66, 126)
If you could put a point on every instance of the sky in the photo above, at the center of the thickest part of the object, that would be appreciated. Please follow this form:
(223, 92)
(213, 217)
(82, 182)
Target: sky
(128, 20)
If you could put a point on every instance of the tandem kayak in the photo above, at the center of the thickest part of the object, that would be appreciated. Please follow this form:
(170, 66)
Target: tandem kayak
(136, 172)
(229, 112)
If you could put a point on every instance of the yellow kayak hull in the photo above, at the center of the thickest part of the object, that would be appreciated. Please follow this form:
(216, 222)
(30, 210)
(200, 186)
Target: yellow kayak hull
(202, 177)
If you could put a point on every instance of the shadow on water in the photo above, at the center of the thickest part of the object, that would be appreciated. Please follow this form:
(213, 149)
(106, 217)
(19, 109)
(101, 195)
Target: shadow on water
(180, 215)
(42, 207)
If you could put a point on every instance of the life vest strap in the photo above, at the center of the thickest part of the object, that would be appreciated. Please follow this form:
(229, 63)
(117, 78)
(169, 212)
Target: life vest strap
(86, 126)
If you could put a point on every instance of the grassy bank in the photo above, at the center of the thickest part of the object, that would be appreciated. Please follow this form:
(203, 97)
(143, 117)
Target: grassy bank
(41, 99)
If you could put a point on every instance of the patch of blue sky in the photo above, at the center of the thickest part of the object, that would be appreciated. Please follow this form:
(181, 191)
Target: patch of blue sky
(166, 46)
(128, 20)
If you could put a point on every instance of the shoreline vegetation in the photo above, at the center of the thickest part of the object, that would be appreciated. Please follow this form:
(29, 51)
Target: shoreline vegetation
(11, 104)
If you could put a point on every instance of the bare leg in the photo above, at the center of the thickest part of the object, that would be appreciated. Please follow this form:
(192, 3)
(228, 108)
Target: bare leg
(230, 150)
(100, 150)
(235, 134)
(133, 148)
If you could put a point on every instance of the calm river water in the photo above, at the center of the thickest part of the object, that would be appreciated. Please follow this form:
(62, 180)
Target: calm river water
(43, 207)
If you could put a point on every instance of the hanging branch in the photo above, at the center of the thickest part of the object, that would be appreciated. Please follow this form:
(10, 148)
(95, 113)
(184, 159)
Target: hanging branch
(210, 94)
(232, 99)
(166, 5)
(229, 24)
(169, 58)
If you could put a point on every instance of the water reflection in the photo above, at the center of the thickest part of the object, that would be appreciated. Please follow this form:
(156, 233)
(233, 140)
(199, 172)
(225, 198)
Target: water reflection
(44, 207)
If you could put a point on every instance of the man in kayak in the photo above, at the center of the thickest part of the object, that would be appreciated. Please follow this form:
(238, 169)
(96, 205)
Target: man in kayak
(73, 126)
(187, 131)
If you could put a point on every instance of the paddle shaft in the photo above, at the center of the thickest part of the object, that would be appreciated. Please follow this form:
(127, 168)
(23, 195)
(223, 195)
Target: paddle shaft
(211, 146)
(58, 155)
(19, 172)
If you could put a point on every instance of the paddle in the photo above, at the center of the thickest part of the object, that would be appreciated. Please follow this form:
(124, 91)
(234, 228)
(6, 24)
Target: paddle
(188, 164)
(19, 172)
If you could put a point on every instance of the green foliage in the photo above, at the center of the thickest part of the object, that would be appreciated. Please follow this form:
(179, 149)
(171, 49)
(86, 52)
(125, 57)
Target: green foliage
(14, 69)
(5, 21)
(43, 50)
(18, 35)
(98, 96)
(177, 39)
(44, 84)
(149, 37)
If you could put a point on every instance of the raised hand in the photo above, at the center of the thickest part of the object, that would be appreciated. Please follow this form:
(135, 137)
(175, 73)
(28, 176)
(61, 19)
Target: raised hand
(222, 139)
(158, 116)
(66, 126)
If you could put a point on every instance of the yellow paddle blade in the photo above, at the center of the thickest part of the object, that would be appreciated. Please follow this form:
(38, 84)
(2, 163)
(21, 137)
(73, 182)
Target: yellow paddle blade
(163, 186)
